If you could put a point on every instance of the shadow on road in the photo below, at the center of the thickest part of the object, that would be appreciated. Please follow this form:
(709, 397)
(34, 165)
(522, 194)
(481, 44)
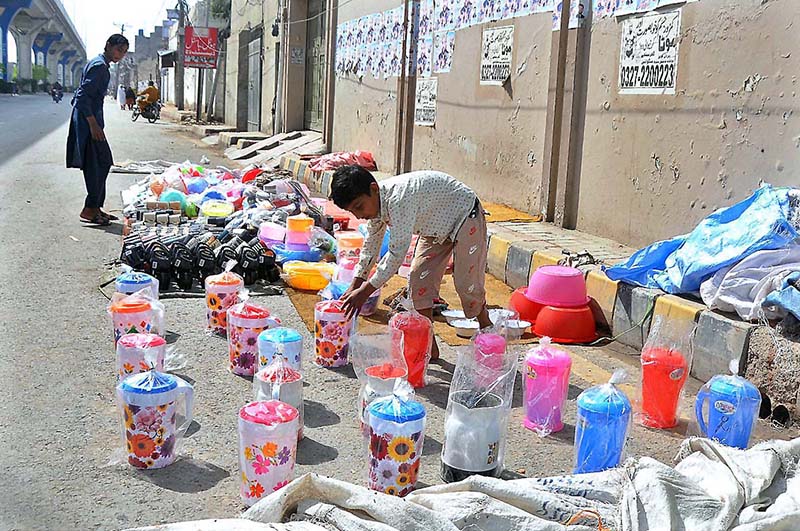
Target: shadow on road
(311, 452)
(114, 228)
(431, 446)
(186, 475)
(316, 415)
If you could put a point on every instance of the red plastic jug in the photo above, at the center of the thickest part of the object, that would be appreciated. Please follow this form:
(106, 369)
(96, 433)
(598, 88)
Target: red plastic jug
(664, 372)
(415, 331)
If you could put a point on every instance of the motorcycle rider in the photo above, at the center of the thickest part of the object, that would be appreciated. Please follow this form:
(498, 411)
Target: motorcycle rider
(57, 92)
(148, 96)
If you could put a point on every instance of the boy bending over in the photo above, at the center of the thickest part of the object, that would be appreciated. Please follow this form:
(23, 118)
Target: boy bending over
(445, 214)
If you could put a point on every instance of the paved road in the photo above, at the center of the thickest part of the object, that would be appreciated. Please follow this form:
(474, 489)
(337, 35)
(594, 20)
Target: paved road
(58, 424)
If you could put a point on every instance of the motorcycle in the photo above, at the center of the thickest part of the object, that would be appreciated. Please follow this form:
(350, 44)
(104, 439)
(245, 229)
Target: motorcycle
(57, 95)
(152, 112)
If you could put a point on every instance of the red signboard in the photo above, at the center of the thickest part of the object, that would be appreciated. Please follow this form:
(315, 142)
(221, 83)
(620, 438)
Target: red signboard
(200, 48)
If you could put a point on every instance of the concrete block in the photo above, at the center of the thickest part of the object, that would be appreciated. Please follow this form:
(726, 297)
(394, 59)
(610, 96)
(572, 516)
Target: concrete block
(542, 258)
(679, 315)
(604, 292)
(633, 314)
(518, 266)
(719, 339)
(498, 256)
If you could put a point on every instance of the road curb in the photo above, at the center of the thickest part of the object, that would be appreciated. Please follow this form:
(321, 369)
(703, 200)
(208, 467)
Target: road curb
(627, 310)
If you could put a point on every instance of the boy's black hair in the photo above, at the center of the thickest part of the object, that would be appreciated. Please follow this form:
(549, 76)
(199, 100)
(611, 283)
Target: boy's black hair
(350, 182)
(117, 40)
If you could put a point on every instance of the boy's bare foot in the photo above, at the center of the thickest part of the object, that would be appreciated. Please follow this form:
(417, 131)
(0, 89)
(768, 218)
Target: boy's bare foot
(434, 350)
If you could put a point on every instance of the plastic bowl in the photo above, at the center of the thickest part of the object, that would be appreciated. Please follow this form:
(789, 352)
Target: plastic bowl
(559, 286)
(271, 231)
(308, 276)
(566, 325)
(516, 328)
(466, 328)
(526, 308)
(496, 313)
(453, 315)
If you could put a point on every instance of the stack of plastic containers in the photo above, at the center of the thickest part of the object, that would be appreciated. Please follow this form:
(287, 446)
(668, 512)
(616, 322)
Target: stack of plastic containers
(298, 232)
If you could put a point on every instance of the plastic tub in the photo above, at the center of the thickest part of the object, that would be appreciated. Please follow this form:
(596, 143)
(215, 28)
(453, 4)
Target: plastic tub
(298, 237)
(214, 208)
(348, 245)
(284, 255)
(301, 247)
(270, 231)
(310, 276)
(559, 286)
(299, 223)
(526, 308)
(566, 325)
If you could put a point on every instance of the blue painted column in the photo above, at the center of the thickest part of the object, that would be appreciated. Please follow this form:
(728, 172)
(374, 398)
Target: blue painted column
(10, 9)
(63, 60)
(46, 40)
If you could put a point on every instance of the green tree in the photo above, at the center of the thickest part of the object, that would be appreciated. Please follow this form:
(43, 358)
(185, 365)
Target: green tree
(40, 73)
(221, 9)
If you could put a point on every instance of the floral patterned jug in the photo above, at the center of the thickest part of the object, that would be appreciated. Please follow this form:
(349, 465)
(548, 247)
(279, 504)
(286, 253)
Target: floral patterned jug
(245, 322)
(222, 292)
(267, 447)
(150, 403)
(332, 331)
(286, 342)
(138, 353)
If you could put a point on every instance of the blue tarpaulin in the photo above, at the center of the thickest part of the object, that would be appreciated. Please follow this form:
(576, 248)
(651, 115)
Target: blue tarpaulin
(681, 264)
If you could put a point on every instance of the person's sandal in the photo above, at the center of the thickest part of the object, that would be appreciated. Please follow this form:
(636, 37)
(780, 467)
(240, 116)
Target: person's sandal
(98, 219)
(112, 217)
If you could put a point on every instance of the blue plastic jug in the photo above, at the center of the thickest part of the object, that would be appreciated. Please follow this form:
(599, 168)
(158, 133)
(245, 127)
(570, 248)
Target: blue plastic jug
(604, 413)
(733, 405)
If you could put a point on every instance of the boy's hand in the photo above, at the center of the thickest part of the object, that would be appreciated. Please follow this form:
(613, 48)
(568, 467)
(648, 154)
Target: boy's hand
(353, 301)
(357, 283)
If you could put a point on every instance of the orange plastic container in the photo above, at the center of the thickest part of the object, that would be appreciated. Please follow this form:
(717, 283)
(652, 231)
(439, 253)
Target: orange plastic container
(566, 325)
(299, 223)
(664, 372)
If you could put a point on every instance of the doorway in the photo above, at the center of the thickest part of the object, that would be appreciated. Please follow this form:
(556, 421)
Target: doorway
(315, 66)
(254, 85)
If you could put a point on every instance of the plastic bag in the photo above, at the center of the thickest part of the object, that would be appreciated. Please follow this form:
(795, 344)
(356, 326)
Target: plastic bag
(378, 367)
(156, 411)
(732, 411)
(395, 438)
(307, 276)
(478, 408)
(222, 292)
(129, 282)
(332, 331)
(137, 353)
(138, 313)
(666, 358)
(246, 320)
(546, 376)
(322, 241)
(280, 342)
(601, 426)
(412, 334)
(280, 381)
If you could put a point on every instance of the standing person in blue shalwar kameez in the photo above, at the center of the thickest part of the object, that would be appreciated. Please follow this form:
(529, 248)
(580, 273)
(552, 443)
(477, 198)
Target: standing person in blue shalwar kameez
(87, 147)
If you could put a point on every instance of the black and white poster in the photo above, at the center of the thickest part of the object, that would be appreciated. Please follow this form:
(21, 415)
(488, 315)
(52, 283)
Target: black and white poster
(496, 52)
(648, 61)
(425, 107)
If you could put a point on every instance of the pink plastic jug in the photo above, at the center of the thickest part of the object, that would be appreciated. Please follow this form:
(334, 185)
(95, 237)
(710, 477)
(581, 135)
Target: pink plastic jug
(546, 384)
(489, 350)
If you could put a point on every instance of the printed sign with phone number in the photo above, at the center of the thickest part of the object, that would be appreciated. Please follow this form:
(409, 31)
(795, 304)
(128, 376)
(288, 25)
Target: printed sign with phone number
(649, 53)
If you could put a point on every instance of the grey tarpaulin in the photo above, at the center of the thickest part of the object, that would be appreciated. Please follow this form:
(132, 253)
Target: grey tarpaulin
(713, 488)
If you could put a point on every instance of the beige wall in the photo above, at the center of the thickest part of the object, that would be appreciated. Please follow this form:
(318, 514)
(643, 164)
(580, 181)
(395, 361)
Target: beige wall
(365, 109)
(653, 166)
(244, 19)
(489, 137)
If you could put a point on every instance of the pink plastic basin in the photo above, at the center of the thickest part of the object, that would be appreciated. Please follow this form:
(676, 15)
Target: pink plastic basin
(271, 231)
(559, 286)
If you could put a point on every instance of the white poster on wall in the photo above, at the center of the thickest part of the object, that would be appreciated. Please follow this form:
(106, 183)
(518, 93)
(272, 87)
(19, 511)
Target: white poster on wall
(648, 61)
(425, 107)
(496, 55)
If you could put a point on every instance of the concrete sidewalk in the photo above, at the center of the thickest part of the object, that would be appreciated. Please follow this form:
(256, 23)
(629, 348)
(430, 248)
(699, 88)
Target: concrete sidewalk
(517, 249)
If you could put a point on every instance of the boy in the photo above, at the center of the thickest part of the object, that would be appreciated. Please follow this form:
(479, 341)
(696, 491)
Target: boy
(445, 214)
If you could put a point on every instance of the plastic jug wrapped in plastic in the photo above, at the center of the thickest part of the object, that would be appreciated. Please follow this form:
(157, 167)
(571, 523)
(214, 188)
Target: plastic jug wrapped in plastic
(267, 448)
(280, 381)
(478, 409)
(396, 433)
(666, 358)
(222, 292)
(137, 353)
(378, 368)
(138, 313)
(733, 406)
(601, 427)
(412, 334)
(546, 376)
(332, 330)
(149, 404)
(246, 321)
(283, 342)
(129, 282)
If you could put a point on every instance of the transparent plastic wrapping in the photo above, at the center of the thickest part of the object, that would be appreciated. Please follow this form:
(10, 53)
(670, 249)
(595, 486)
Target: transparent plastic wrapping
(335, 289)
(601, 426)
(222, 292)
(546, 375)
(378, 367)
(727, 408)
(246, 320)
(283, 342)
(666, 358)
(478, 408)
(412, 334)
(332, 330)
(139, 313)
(129, 282)
(267, 448)
(280, 381)
(137, 353)
(156, 411)
(395, 438)
(322, 241)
